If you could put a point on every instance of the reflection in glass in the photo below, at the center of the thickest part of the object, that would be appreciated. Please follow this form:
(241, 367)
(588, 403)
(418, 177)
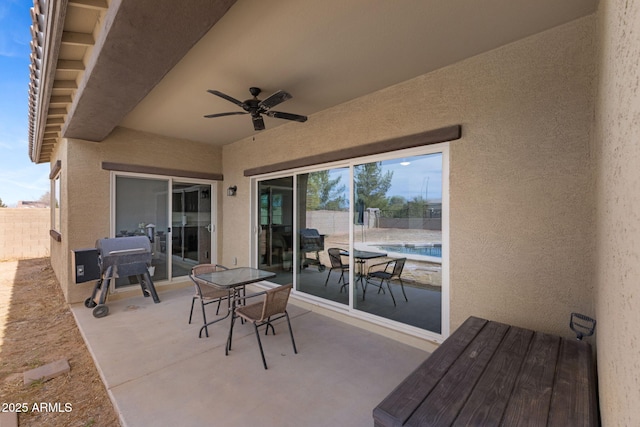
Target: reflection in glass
(190, 226)
(275, 240)
(398, 223)
(141, 202)
(323, 221)
(57, 225)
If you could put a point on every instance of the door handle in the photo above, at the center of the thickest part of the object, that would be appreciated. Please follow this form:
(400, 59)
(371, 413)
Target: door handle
(209, 228)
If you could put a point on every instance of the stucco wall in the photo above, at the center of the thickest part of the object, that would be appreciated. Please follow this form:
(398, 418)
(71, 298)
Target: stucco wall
(618, 218)
(87, 187)
(521, 192)
(24, 233)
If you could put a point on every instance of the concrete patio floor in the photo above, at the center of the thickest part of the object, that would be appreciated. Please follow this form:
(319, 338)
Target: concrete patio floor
(158, 372)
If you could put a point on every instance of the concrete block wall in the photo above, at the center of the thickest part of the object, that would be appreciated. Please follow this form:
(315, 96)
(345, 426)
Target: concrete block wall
(24, 233)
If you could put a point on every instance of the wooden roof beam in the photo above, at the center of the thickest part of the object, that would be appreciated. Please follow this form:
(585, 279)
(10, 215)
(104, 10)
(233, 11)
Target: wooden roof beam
(77, 39)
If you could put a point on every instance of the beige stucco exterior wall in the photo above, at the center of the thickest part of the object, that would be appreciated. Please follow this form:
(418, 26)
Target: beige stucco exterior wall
(617, 139)
(86, 187)
(521, 180)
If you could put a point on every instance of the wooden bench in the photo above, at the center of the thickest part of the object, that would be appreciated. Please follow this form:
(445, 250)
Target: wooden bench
(488, 373)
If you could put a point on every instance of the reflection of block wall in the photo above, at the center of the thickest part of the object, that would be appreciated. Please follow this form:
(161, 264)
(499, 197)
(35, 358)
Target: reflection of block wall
(24, 233)
(328, 222)
(336, 222)
(411, 223)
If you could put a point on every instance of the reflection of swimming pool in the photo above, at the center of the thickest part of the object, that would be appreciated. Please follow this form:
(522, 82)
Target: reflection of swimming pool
(434, 250)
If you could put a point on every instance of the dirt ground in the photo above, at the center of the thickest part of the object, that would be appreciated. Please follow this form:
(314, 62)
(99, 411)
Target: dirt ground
(37, 328)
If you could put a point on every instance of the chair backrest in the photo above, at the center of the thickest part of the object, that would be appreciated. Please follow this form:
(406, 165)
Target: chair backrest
(334, 257)
(203, 269)
(397, 268)
(275, 301)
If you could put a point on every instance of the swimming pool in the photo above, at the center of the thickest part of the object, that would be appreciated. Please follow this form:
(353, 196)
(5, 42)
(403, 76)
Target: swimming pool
(434, 250)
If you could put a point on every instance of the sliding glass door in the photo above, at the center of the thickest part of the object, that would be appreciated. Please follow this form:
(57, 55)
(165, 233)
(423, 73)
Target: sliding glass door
(397, 239)
(175, 215)
(323, 224)
(367, 235)
(191, 226)
(275, 228)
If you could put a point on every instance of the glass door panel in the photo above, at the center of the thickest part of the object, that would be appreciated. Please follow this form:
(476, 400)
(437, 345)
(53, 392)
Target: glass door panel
(192, 227)
(275, 228)
(141, 210)
(323, 224)
(398, 220)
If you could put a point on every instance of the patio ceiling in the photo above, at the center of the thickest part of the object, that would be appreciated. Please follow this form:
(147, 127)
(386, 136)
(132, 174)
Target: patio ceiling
(146, 65)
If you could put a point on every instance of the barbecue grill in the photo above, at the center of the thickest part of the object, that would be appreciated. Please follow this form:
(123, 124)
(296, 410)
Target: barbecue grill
(311, 242)
(121, 257)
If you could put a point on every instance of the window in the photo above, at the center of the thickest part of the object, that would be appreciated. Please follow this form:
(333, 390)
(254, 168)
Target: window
(54, 204)
(368, 212)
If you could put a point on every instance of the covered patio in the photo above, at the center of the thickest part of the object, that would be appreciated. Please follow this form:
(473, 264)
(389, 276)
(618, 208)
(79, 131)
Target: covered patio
(158, 372)
(529, 110)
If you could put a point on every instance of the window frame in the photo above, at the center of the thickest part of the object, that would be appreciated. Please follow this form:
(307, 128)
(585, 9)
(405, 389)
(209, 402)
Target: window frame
(55, 204)
(350, 310)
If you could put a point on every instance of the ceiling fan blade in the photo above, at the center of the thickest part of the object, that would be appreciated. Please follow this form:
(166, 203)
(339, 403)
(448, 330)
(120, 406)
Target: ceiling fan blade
(258, 122)
(208, 116)
(273, 100)
(227, 97)
(286, 116)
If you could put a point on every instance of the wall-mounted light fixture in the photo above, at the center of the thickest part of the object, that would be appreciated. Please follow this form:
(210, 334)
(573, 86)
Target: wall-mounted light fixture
(231, 191)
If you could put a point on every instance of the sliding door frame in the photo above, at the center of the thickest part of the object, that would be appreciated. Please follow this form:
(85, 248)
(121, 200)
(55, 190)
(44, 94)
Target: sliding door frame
(169, 180)
(349, 309)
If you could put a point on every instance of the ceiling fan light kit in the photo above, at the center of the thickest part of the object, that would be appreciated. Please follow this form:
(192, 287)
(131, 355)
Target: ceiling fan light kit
(256, 108)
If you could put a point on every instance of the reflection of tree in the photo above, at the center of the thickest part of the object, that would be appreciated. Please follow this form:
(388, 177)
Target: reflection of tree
(372, 184)
(2, 205)
(324, 193)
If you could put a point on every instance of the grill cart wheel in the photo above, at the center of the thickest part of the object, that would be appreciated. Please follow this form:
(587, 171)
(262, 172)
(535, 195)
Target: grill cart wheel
(89, 303)
(100, 311)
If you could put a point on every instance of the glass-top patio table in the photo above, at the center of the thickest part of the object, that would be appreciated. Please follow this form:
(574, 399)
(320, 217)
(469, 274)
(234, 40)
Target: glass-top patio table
(231, 279)
(361, 258)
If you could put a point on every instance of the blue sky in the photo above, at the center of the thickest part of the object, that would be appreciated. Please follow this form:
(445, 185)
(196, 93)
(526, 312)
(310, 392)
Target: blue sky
(20, 179)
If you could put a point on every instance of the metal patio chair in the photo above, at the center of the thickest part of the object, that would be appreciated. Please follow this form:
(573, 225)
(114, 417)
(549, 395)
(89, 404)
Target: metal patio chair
(263, 313)
(206, 293)
(335, 259)
(385, 271)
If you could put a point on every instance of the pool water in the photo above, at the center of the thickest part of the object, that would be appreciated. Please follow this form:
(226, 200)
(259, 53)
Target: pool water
(427, 250)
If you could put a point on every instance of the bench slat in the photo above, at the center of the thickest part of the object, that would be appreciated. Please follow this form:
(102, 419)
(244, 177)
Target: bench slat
(529, 403)
(490, 373)
(487, 403)
(398, 406)
(443, 404)
(573, 402)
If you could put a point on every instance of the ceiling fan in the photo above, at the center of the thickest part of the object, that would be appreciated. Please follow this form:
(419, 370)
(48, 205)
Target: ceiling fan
(256, 107)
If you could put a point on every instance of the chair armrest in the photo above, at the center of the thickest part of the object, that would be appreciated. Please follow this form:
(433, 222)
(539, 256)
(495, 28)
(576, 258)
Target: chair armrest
(386, 264)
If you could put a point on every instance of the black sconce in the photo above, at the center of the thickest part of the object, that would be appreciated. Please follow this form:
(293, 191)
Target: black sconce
(231, 191)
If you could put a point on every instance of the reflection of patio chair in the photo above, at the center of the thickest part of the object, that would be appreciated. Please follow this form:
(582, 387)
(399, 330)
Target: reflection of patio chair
(336, 264)
(386, 274)
(262, 313)
(206, 293)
